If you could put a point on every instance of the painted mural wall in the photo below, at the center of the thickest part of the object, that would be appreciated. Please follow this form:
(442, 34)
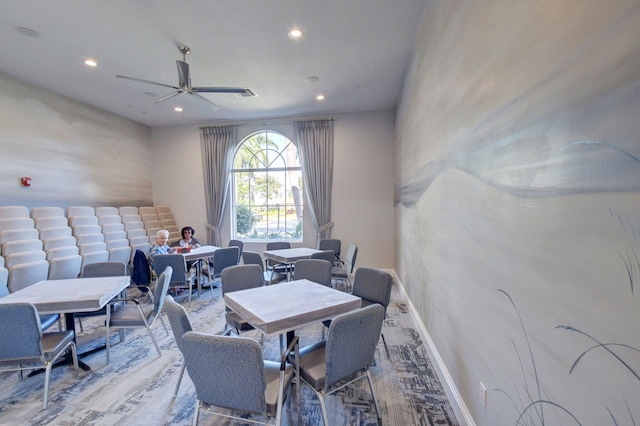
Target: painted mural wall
(74, 154)
(518, 205)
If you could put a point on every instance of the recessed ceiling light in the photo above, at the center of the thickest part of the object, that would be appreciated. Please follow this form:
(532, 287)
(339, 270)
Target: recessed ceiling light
(91, 63)
(295, 33)
(28, 32)
(320, 98)
(178, 109)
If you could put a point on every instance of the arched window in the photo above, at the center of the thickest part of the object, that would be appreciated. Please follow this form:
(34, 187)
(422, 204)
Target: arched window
(267, 189)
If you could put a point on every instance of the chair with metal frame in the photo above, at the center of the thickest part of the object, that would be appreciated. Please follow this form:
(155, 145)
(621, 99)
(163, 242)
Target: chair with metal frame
(273, 266)
(331, 244)
(316, 270)
(101, 269)
(182, 277)
(180, 324)
(23, 346)
(236, 278)
(330, 365)
(222, 259)
(230, 372)
(344, 273)
(253, 258)
(139, 315)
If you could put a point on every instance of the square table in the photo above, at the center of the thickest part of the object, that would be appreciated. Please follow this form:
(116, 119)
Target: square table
(196, 255)
(283, 308)
(289, 256)
(70, 296)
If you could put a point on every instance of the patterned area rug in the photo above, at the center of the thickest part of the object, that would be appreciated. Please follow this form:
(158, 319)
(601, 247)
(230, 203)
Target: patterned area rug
(136, 388)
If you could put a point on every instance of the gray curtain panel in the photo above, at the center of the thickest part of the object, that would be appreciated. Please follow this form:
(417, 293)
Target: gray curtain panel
(315, 146)
(217, 145)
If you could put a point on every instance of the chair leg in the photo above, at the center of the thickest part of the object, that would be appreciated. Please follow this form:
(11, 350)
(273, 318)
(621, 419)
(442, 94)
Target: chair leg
(323, 408)
(47, 376)
(184, 365)
(386, 348)
(153, 339)
(166, 330)
(80, 324)
(373, 394)
(196, 413)
(108, 322)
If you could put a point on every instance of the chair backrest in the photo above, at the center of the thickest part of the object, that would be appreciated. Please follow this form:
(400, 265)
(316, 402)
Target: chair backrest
(329, 255)
(177, 264)
(277, 245)
(330, 244)
(38, 212)
(239, 244)
(104, 269)
(373, 286)
(316, 270)
(223, 258)
(178, 318)
(20, 333)
(25, 274)
(252, 258)
(241, 277)
(351, 343)
(226, 371)
(350, 258)
(141, 274)
(13, 211)
(162, 287)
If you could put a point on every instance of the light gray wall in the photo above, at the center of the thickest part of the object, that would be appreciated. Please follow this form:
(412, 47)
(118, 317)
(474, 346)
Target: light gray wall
(75, 154)
(517, 168)
(362, 205)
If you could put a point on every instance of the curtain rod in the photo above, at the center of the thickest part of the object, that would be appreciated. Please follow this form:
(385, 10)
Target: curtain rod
(266, 122)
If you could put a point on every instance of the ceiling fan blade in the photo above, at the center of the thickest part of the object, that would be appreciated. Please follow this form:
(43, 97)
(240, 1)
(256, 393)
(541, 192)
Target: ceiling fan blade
(238, 90)
(183, 74)
(205, 101)
(169, 96)
(147, 81)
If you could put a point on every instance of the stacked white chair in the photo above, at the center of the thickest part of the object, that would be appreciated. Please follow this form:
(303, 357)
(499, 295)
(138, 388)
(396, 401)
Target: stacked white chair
(4, 278)
(146, 210)
(136, 233)
(59, 245)
(125, 210)
(21, 249)
(168, 222)
(88, 233)
(114, 235)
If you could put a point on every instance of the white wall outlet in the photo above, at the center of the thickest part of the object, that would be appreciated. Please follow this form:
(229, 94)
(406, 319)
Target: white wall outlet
(483, 396)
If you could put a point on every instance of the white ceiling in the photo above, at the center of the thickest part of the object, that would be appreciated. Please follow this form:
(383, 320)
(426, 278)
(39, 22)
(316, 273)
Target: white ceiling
(359, 50)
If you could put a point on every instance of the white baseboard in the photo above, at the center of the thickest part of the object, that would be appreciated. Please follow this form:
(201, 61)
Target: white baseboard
(459, 407)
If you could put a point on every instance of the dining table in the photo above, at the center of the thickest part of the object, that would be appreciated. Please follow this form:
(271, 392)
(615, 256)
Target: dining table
(283, 308)
(198, 255)
(289, 256)
(69, 296)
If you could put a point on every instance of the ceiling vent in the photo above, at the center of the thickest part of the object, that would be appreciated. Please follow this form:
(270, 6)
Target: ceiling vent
(248, 93)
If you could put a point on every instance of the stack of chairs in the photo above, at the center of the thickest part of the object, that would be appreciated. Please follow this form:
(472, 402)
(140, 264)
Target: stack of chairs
(134, 227)
(168, 222)
(90, 239)
(151, 222)
(60, 246)
(22, 251)
(115, 237)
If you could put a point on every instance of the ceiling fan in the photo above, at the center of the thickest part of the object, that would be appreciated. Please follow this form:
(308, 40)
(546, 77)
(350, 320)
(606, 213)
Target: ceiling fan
(184, 84)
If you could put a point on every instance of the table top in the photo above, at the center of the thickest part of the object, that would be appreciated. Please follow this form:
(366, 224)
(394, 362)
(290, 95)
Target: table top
(279, 308)
(290, 255)
(202, 252)
(71, 295)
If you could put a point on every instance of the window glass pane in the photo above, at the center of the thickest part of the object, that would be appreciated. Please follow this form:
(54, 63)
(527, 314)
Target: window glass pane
(267, 189)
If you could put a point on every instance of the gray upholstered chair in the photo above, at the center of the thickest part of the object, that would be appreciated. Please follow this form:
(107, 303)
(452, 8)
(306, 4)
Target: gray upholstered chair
(96, 270)
(138, 315)
(240, 245)
(372, 286)
(329, 365)
(343, 273)
(23, 346)
(235, 278)
(273, 266)
(316, 270)
(180, 324)
(253, 258)
(229, 372)
(331, 244)
(222, 259)
(182, 277)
